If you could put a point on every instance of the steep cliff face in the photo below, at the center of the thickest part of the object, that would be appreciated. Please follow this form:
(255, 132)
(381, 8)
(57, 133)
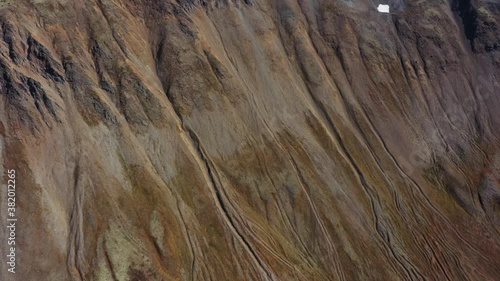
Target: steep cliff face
(252, 140)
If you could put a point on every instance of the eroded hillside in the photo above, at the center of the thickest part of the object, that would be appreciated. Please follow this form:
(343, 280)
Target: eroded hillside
(252, 140)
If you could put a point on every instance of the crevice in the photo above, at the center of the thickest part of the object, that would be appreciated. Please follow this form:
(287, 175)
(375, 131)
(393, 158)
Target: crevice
(119, 42)
(108, 262)
(220, 199)
(468, 14)
(191, 246)
(75, 225)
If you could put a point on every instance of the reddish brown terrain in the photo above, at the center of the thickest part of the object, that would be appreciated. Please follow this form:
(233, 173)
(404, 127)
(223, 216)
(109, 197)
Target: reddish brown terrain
(251, 139)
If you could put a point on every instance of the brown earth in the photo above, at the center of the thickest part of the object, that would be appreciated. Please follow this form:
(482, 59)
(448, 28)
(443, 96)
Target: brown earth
(251, 140)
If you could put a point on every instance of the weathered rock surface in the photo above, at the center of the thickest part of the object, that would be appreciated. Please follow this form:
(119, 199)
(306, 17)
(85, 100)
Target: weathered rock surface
(252, 140)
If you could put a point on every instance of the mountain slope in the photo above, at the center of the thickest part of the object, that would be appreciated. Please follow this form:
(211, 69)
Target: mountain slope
(252, 140)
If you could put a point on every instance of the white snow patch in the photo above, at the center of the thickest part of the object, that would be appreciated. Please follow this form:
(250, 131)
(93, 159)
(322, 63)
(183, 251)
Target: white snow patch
(383, 8)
